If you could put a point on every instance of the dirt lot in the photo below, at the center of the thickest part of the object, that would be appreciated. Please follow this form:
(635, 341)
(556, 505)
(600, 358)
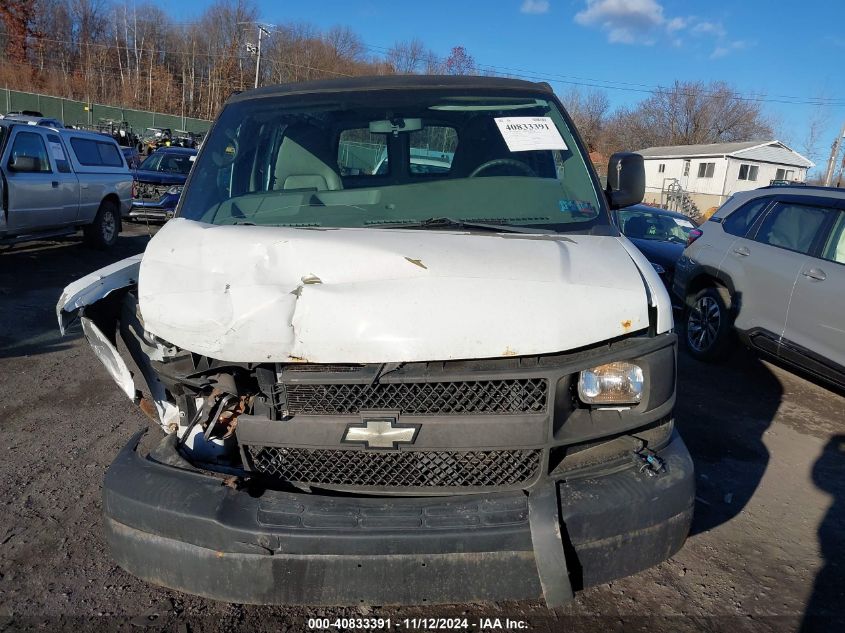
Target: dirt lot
(765, 551)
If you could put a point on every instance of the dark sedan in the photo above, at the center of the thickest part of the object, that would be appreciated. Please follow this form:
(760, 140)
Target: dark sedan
(159, 181)
(661, 235)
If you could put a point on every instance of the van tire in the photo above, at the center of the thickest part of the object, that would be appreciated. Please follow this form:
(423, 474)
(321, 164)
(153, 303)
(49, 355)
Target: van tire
(708, 326)
(103, 231)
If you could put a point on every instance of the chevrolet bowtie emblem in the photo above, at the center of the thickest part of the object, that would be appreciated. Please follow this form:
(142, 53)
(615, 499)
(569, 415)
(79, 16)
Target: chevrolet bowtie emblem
(378, 430)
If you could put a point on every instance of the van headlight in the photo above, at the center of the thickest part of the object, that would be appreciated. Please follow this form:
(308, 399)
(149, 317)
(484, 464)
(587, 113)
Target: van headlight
(619, 382)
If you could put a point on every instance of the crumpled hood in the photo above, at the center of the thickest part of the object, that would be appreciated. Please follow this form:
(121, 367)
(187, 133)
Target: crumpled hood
(257, 294)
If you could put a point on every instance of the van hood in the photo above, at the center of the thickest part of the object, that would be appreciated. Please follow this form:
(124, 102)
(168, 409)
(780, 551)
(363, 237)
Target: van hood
(258, 294)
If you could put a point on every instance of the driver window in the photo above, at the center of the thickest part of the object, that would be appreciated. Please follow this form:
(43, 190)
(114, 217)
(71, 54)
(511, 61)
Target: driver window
(432, 150)
(29, 145)
(362, 153)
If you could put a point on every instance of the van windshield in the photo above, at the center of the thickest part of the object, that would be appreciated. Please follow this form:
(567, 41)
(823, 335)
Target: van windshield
(371, 159)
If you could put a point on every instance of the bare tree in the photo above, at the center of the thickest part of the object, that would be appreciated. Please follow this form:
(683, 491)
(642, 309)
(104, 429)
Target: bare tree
(589, 111)
(688, 113)
(17, 16)
(817, 123)
(407, 57)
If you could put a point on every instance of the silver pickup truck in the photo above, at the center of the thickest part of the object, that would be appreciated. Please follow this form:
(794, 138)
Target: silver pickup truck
(55, 181)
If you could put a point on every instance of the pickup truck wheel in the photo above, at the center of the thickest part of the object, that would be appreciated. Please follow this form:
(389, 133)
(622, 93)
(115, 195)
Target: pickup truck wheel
(709, 326)
(102, 232)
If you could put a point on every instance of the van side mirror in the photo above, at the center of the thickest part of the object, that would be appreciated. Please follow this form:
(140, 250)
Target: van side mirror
(625, 180)
(24, 163)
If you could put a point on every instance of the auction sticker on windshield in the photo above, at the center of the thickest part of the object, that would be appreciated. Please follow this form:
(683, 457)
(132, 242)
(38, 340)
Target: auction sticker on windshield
(526, 133)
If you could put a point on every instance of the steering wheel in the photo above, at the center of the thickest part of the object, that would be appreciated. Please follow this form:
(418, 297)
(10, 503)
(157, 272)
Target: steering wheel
(501, 162)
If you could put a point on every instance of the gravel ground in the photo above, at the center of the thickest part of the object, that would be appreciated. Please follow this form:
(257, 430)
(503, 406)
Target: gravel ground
(765, 553)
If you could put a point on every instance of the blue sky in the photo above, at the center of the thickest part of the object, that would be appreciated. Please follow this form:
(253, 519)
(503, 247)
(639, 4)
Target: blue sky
(761, 47)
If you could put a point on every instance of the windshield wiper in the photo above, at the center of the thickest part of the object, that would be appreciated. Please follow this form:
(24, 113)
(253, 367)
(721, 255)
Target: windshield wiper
(441, 223)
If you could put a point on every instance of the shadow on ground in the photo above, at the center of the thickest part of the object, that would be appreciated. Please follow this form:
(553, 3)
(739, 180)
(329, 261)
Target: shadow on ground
(722, 416)
(826, 608)
(33, 275)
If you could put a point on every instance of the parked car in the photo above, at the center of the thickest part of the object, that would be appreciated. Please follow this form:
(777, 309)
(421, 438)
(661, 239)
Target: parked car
(417, 387)
(132, 157)
(661, 235)
(770, 266)
(57, 181)
(159, 181)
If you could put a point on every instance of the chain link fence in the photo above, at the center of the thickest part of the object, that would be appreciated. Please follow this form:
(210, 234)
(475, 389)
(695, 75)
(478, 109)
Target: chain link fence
(90, 114)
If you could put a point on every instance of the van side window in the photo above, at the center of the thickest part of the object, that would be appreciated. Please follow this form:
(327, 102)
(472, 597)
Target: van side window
(792, 226)
(96, 153)
(740, 221)
(30, 147)
(58, 154)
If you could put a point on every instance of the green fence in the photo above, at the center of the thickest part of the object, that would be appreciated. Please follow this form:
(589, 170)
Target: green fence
(81, 113)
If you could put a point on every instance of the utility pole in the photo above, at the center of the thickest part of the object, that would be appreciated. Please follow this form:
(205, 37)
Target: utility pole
(257, 49)
(834, 156)
(261, 31)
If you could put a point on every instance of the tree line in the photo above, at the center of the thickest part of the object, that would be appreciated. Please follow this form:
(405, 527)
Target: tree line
(135, 55)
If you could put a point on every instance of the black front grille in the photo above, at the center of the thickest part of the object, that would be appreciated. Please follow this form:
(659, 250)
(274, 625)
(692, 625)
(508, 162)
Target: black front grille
(515, 396)
(150, 191)
(396, 469)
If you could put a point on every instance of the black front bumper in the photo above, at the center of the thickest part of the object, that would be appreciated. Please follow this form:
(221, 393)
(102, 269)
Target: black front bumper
(183, 529)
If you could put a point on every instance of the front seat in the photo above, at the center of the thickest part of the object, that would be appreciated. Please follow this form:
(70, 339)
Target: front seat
(306, 161)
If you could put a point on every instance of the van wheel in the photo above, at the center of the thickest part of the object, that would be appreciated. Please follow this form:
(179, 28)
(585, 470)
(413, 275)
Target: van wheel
(102, 232)
(709, 326)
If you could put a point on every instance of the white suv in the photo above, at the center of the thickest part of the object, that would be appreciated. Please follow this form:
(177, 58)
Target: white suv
(770, 265)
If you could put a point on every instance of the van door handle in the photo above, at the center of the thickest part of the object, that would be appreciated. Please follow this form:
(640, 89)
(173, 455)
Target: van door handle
(815, 273)
(55, 184)
(742, 250)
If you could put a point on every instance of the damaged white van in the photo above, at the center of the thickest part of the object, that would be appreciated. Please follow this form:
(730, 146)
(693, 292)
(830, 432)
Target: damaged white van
(399, 354)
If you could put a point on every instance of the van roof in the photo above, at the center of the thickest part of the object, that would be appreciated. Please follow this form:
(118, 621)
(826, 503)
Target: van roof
(393, 82)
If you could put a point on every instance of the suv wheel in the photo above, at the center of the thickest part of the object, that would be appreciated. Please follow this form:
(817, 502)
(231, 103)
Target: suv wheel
(708, 326)
(102, 232)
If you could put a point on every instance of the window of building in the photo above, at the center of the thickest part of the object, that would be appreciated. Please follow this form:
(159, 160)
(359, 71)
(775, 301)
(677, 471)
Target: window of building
(686, 167)
(705, 170)
(785, 174)
(748, 172)
(661, 168)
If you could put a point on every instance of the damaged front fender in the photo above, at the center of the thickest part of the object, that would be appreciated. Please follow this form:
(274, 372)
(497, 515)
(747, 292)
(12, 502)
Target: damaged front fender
(110, 357)
(94, 287)
(83, 299)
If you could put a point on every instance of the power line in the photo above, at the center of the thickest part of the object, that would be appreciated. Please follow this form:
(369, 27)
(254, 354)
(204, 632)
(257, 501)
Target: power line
(520, 73)
(630, 86)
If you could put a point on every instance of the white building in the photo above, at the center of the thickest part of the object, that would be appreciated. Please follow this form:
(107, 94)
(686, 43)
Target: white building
(711, 173)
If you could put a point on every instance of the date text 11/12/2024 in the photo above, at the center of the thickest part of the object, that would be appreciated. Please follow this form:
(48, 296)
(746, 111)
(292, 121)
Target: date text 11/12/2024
(418, 624)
